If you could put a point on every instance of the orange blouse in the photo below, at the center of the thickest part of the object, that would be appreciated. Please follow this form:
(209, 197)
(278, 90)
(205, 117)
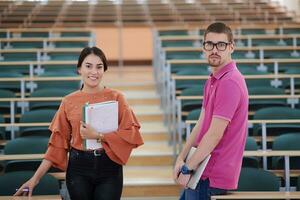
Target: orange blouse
(65, 128)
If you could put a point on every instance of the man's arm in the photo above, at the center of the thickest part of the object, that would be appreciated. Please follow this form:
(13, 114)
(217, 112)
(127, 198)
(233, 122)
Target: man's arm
(191, 139)
(189, 143)
(209, 141)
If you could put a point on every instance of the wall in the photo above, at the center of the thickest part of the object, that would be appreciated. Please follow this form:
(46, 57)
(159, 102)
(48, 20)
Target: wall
(136, 43)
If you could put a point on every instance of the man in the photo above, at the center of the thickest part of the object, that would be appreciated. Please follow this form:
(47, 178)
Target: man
(222, 125)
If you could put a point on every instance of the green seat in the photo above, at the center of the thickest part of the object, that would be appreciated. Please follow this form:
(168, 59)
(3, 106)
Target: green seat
(194, 114)
(279, 113)
(242, 54)
(286, 142)
(255, 82)
(286, 82)
(35, 116)
(72, 85)
(75, 34)
(178, 67)
(10, 85)
(9, 182)
(35, 34)
(173, 32)
(19, 69)
(250, 161)
(182, 84)
(183, 55)
(188, 105)
(25, 56)
(71, 45)
(260, 31)
(2, 129)
(181, 43)
(25, 145)
(5, 106)
(256, 104)
(289, 31)
(267, 42)
(58, 69)
(27, 45)
(253, 179)
(64, 56)
(298, 183)
(3, 34)
(48, 92)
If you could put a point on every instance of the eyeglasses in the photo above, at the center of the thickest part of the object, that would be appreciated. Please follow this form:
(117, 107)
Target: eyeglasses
(221, 46)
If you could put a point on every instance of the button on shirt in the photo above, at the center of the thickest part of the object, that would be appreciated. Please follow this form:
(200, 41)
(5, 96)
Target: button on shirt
(226, 97)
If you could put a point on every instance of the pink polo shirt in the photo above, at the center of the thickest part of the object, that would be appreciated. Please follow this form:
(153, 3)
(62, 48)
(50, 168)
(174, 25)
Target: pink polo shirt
(226, 97)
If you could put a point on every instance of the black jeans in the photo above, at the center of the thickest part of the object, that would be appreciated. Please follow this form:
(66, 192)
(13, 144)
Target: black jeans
(91, 177)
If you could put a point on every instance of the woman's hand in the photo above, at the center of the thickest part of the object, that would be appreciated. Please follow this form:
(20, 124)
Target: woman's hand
(87, 132)
(27, 188)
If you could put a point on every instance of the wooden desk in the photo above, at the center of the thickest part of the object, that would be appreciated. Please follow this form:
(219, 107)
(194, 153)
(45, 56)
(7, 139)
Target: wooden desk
(259, 195)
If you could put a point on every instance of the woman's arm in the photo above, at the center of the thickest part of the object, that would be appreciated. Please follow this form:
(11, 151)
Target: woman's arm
(27, 187)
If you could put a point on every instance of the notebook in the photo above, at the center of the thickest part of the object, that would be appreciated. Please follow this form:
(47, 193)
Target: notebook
(199, 171)
(103, 117)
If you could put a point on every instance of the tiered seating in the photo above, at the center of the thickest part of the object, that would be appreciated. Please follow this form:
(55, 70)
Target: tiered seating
(138, 13)
(43, 54)
(181, 71)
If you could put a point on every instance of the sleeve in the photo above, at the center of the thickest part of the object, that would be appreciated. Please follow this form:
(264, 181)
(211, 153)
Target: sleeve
(119, 144)
(60, 139)
(227, 100)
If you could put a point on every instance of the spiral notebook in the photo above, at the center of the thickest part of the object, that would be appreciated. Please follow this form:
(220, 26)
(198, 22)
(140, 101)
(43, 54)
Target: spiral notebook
(103, 117)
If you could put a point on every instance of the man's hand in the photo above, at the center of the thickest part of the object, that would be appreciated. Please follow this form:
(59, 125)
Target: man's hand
(177, 168)
(183, 179)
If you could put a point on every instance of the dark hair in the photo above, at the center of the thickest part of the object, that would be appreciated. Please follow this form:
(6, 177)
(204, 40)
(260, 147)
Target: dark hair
(219, 27)
(92, 50)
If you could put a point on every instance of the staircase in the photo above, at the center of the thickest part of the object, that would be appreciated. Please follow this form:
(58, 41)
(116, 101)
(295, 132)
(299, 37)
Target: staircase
(148, 174)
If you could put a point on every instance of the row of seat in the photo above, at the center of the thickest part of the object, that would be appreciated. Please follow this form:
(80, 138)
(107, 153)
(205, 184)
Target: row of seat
(27, 14)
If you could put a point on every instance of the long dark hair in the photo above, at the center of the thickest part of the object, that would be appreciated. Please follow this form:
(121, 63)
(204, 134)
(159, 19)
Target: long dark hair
(91, 50)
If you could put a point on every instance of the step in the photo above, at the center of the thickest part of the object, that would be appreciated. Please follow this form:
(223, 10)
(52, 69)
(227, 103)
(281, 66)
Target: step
(145, 86)
(152, 154)
(149, 181)
(148, 113)
(142, 97)
(154, 131)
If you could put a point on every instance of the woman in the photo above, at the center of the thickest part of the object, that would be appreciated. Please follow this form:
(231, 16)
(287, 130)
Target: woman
(94, 174)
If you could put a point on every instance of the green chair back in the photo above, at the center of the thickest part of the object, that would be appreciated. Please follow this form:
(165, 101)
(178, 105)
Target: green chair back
(250, 161)
(25, 145)
(278, 113)
(72, 85)
(5, 106)
(43, 115)
(253, 179)
(286, 142)
(9, 182)
(188, 105)
(256, 104)
(47, 92)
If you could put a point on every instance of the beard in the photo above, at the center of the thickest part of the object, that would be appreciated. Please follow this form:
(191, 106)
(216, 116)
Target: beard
(214, 60)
